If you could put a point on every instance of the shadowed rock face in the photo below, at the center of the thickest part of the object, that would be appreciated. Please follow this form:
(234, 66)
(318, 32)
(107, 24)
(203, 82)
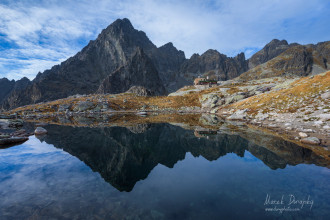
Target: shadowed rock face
(167, 60)
(271, 50)
(10, 90)
(214, 64)
(124, 156)
(6, 87)
(140, 71)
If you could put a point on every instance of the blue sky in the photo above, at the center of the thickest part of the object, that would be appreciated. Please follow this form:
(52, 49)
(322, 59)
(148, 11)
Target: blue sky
(37, 34)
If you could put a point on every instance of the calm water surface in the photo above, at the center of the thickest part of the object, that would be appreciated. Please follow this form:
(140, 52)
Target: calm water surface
(159, 171)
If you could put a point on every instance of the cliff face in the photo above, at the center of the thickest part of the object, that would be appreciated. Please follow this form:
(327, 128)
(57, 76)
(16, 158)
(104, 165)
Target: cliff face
(271, 50)
(213, 64)
(10, 89)
(139, 71)
(6, 87)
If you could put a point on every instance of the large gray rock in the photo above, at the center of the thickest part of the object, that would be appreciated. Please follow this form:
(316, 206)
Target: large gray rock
(140, 91)
(326, 95)
(63, 107)
(40, 131)
(211, 100)
(83, 106)
(311, 140)
(238, 115)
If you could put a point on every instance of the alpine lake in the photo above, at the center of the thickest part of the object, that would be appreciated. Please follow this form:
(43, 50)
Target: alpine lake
(161, 167)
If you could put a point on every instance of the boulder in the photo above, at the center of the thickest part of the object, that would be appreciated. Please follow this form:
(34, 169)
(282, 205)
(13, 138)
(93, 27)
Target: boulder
(326, 95)
(14, 123)
(234, 98)
(13, 140)
(63, 107)
(83, 106)
(311, 140)
(140, 91)
(302, 134)
(40, 131)
(238, 115)
(211, 100)
(324, 117)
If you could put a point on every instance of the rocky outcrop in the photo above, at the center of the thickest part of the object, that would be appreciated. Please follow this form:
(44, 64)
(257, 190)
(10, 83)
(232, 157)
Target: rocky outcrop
(271, 50)
(139, 91)
(140, 71)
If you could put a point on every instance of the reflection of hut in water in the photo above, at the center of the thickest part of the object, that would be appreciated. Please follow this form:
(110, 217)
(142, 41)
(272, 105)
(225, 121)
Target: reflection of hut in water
(204, 133)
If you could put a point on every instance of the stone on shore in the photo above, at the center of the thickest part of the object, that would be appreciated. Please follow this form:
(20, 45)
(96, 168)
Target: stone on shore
(311, 140)
(326, 95)
(83, 106)
(40, 131)
(12, 140)
(238, 115)
(303, 135)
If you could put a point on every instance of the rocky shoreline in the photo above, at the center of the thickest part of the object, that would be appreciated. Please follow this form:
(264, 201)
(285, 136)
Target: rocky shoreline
(295, 108)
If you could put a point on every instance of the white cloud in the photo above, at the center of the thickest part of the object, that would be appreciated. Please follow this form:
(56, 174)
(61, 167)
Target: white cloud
(41, 33)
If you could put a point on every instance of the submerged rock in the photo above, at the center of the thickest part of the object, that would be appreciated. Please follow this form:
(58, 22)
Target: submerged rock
(40, 131)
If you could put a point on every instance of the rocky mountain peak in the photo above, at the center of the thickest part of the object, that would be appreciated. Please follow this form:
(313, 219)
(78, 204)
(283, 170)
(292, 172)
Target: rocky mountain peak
(270, 50)
(140, 71)
(276, 42)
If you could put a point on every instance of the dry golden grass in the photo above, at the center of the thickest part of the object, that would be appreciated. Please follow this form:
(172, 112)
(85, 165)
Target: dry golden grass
(286, 100)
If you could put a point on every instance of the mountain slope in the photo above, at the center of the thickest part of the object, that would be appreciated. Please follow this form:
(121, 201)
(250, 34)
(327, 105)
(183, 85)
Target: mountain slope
(298, 60)
(271, 50)
(140, 71)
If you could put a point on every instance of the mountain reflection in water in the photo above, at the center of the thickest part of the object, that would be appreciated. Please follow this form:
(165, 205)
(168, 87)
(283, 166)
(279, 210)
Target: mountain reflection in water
(123, 156)
(158, 171)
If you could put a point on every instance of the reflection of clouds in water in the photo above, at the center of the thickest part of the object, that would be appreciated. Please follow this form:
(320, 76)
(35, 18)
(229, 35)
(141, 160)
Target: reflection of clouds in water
(32, 169)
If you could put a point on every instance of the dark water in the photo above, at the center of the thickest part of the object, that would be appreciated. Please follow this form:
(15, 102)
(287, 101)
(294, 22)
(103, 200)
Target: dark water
(159, 171)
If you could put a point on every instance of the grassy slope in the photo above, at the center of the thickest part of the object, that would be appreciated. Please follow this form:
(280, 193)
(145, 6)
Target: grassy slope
(299, 94)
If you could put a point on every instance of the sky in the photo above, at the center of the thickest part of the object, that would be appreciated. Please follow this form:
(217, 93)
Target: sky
(37, 34)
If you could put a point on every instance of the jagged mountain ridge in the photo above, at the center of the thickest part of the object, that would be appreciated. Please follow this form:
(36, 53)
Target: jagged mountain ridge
(140, 71)
(297, 60)
(214, 64)
(114, 48)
